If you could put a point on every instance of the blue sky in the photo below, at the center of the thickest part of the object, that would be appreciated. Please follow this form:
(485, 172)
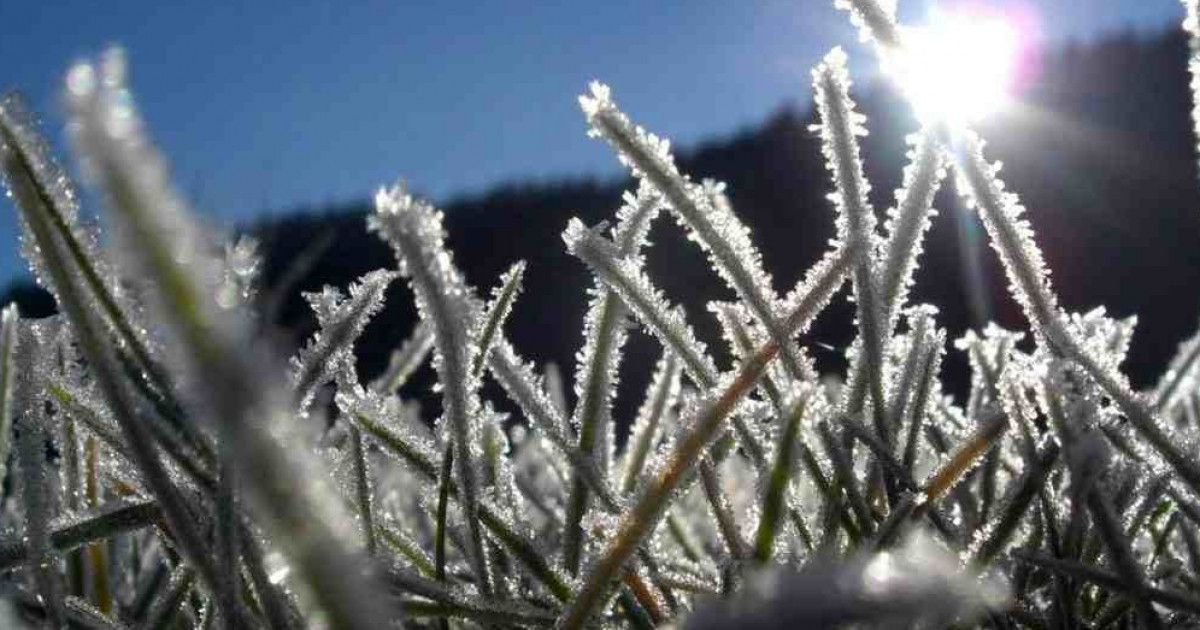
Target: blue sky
(269, 105)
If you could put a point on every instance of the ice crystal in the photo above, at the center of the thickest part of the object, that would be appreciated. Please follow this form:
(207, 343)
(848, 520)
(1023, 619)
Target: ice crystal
(908, 221)
(242, 267)
(703, 209)
(22, 142)
(1191, 24)
(405, 360)
(1180, 375)
(414, 229)
(341, 320)
(875, 20)
(9, 322)
(1012, 237)
(660, 400)
(225, 384)
(498, 311)
(856, 229)
(630, 281)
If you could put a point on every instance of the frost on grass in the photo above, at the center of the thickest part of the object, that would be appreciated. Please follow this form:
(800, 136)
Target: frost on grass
(341, 320)
(1012, 237)
(875, 20)
(1191, 24)
(414, 230)
(167, 473)
(703, 209)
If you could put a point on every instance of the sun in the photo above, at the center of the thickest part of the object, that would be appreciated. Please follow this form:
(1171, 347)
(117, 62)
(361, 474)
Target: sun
(957, 68)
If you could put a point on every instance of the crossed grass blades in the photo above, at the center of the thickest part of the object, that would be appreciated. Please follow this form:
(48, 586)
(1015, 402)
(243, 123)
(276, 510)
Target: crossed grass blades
(194, 483)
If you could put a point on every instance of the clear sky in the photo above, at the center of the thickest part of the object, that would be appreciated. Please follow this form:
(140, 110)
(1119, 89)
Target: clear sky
(268, 105)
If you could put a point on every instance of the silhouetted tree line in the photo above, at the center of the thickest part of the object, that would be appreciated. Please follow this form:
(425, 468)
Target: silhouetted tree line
(1100, 150)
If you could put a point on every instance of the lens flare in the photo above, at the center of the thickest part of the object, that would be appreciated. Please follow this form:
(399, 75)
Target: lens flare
(958, 68)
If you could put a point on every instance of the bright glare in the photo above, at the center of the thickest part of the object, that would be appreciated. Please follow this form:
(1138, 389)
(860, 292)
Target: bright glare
(958, 68)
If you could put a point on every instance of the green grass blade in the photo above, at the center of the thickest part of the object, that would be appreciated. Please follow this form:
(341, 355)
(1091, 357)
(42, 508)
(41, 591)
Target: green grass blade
(774, 501)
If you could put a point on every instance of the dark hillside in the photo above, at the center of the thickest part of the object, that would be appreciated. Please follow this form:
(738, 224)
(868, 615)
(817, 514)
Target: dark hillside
(1101, 151)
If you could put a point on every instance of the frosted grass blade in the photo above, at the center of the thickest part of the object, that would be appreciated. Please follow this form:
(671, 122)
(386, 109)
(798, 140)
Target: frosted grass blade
(1180, 376)
(60, 205)
(993, 537)
(66, 534)
(1175, 600)
(164, 610)
(605, 334)
(31, 199)
(341, 320)
(443, 493)
(909, 221)
(37, 503)
(661, 396)
(405, 360)
(875, 20)
(702, 208)
(407, 548)
(722, 513)
(518, 380)
(453, 602)
(414, 230)
(781, 473)
(919, 403)
(497, 312)
(629, 281)
(9, 321)
(232, 392)
(643, 515)
(363, 486)
(840, 124)
(1191, 24)
(424, 463)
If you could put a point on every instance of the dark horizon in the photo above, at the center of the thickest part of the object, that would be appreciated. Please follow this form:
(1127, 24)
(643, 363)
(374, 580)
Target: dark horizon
(262, 111)
(1102, 154)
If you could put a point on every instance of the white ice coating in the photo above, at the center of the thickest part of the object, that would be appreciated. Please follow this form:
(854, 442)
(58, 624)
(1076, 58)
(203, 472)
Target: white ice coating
(341, 320)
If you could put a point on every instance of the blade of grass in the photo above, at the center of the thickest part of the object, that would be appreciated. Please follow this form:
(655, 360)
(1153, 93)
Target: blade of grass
(497, 313)
(965, 457)
(840, 125)
(773, 503)
(663, 392)
(844, 478)
(439, 538)
(67, 534)
(163, 612)
(995, 535)
(9, 319)
(639, 519)
(37, 504)
(407, 548)
(362, 486)
(1175, 600)
(710, 481)
(524, 549)
(705, 211)
(234, 395)
(179, 519)
(97, 551)
(405, 360)
(448, 602)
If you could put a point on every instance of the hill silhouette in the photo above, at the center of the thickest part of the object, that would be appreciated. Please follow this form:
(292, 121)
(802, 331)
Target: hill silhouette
(1101, 151)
